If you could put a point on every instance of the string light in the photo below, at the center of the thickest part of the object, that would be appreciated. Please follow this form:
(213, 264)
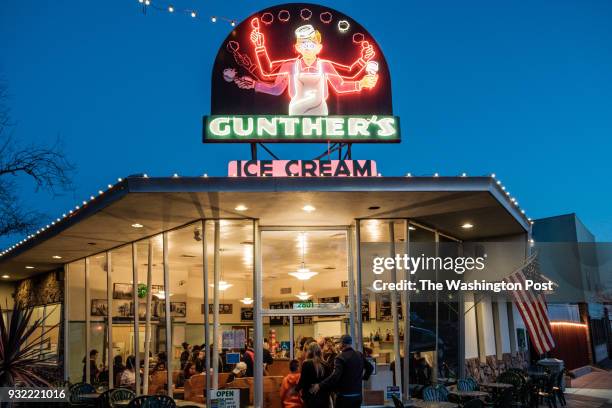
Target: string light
(170, 8)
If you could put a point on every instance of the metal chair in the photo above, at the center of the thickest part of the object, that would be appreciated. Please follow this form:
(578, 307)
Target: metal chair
(77, 390)
(465, 385)
(442, 392)
(396, 402)
(430, 394)
(103, 400)
(558, 389)
(474, 383)
(120, 394)
(140, 402)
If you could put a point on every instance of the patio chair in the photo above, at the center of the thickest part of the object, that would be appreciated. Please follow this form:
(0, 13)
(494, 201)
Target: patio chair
(558, 388)
(465, 385)
(103, 400)
(77, 390)
(430, 394)
(139, 402)
(120, 394)
(474, 383)
(396, 402)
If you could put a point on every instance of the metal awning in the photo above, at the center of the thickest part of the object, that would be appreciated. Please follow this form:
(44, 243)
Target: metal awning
(161, 204)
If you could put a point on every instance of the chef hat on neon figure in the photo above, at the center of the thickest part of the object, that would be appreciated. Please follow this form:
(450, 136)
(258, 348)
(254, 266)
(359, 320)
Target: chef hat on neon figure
(308, 40)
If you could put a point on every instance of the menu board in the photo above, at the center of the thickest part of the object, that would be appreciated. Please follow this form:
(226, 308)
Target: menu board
(284, 320)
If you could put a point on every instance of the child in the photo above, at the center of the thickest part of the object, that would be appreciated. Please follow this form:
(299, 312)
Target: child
(288, 394)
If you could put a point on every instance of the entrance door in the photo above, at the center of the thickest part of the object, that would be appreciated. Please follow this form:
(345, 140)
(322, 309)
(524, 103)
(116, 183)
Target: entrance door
(307, 292)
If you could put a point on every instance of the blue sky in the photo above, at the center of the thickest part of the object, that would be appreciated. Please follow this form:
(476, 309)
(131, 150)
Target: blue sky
(520, 89)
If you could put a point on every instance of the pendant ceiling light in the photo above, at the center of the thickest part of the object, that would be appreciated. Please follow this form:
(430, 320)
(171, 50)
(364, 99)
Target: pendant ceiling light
(246, 300)
(303, 295)
(223, 285)
(303, 273)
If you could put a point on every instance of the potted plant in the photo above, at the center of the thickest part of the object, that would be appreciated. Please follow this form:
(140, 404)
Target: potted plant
(21, 339)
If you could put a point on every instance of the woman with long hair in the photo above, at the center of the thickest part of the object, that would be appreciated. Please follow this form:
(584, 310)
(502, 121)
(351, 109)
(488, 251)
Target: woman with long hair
(314, 370)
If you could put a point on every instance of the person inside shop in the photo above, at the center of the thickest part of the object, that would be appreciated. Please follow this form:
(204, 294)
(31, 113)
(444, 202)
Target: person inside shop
(329, 351)
(422, 369)
(350, 369)
(239, 371)
(160, 365)
(94, 372)
(185, 355)
(290, 398)
(118, 368)
(247, 356)
(314, 371)
(267, 356)
(221, 366)
(128, 375)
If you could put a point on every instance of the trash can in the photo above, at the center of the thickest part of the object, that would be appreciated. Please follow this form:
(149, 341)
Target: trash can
(554, 365)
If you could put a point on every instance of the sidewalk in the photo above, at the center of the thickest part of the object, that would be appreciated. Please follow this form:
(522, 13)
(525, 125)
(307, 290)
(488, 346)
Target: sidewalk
(591, 390)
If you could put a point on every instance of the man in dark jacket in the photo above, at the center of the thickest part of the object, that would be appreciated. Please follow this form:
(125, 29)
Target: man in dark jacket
(350, 369)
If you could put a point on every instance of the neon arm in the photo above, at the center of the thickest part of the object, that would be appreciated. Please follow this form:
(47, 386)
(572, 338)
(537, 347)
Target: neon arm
(267, 67)
(338, 82)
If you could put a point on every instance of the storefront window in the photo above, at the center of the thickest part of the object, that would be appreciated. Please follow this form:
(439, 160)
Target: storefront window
(229, 254)
(152, 335)
(122, 307)
(98, 333)
(76, 326)
(382, 313)
(186, 299)
(306, 274)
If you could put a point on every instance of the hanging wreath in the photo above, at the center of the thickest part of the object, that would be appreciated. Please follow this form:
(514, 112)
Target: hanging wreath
(142, 290)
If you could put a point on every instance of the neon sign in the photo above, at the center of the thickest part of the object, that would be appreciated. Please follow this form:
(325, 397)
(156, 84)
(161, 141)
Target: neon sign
(302, 168)
(288, 63)
(242, 128)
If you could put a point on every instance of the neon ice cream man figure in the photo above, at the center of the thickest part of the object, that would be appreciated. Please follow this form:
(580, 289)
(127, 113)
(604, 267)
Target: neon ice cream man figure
(308, 77)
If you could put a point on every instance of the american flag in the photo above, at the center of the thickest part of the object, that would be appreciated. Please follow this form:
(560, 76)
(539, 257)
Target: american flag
(532, 305)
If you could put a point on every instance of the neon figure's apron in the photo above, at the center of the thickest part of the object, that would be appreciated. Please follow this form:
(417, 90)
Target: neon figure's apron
(308, 91)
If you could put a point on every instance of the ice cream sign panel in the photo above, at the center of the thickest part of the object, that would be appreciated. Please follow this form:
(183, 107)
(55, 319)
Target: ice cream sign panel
(300, 72)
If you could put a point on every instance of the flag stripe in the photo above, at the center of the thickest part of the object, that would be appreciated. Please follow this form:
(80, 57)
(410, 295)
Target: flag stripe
(541, 317)
(528, 315)
(532, 308)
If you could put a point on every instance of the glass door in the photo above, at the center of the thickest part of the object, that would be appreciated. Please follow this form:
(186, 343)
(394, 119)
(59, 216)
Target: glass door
(307, 294)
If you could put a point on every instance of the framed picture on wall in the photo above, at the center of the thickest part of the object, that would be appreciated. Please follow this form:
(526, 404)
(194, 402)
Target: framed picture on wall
(99, 307)
(122, 291)
(178, 309)
(224, 308)
(246, 314)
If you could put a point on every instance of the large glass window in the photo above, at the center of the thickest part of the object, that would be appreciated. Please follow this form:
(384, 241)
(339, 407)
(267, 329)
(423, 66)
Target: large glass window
(76, 326)
(186, 296)
(122, 334)
(98, 333)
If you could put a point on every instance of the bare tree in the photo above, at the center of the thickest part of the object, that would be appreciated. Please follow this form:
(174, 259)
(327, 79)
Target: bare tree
(45, 166)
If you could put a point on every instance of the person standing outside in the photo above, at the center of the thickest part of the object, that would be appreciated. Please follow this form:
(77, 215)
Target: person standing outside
(350, 369)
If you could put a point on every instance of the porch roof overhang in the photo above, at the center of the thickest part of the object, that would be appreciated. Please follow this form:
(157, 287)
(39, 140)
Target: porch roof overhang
(161, 204)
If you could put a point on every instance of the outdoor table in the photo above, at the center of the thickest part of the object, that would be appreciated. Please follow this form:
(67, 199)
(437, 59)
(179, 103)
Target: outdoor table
(121, 403)
(180, 403)
(90, 396)
(434, 404)
(498, 386)
(470, 394)
(447, 381)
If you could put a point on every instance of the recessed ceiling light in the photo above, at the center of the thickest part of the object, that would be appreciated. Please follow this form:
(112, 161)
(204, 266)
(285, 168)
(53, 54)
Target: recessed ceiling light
(374, 207)
(308, 208)
(241, 207)
(5, 276)
(29, 267)
(411, 228)
(467, 225)
(136, 225)
(56, 257)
